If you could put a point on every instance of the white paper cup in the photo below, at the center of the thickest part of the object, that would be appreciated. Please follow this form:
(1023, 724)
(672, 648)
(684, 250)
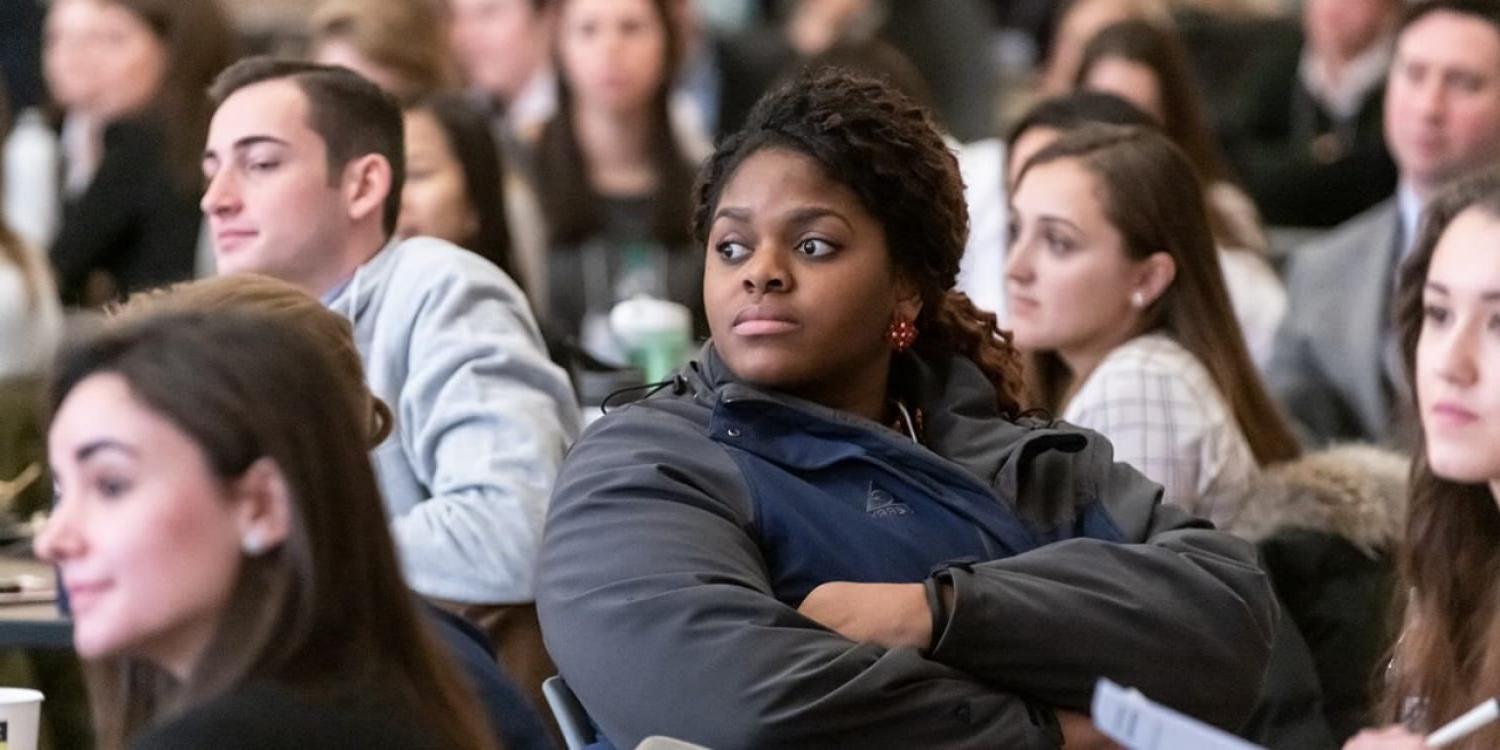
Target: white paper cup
(20, 711)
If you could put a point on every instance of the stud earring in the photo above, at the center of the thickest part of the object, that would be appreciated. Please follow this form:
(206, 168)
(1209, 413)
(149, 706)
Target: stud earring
(253, 544)
(1138, 298)
(901, 333)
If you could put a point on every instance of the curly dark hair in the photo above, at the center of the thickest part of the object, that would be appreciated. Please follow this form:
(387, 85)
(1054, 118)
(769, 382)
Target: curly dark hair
(888, 151)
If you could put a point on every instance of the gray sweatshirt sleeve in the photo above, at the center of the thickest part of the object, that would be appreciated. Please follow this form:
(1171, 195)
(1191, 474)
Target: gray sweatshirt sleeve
(484, 418)
(656, 606)
(1184, 614)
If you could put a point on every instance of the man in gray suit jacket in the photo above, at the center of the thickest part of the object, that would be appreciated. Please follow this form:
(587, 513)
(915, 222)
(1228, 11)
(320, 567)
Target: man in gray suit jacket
(1336, 368)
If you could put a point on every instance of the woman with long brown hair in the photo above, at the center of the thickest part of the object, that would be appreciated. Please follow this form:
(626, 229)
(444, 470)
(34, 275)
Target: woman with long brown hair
(1116, 294)
(219, 533)
(1145, 64)
(136, 224)
(613, 175)
(1447, 657)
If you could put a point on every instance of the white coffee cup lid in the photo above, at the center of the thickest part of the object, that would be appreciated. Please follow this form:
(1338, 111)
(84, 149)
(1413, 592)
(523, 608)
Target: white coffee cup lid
(10, 695)
(641, 316)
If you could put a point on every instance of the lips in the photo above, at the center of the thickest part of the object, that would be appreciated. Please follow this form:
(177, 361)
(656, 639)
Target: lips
(1428, 143)
(760, 320)
(226, 239)
(1450, 415)
(1019, 304)
(83, 595)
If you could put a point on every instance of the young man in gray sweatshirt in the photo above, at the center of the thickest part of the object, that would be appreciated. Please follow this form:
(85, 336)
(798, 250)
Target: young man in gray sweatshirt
(304, 166)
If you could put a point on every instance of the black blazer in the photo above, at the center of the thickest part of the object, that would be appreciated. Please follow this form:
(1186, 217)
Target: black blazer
(136, 221)
(1272, 144)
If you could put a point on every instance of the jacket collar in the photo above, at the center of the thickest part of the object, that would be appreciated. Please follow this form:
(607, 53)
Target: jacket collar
(1052, 466)
(963, 421)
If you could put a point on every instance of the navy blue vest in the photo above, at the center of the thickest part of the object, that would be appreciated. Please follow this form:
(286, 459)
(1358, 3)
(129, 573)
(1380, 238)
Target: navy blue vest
(838, 501)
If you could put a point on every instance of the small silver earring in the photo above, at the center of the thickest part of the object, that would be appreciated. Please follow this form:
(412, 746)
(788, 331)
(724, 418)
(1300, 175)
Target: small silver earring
(253, 544)
(1138, 298)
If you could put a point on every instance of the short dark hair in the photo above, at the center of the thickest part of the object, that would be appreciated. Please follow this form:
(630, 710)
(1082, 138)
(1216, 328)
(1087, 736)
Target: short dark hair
(353, 116)
(1484, 10)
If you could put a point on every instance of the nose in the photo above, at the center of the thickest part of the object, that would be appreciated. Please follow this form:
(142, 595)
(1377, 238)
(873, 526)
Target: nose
(1018, 264)
(60, 538)
(765, 272)
(1431, 99)
(613, 41)
(221, 195)
(1454, 359)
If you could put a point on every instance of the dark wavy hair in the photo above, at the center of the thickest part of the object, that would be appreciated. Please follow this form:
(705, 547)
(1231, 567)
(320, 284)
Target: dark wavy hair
(1449, 561)
(887, 150)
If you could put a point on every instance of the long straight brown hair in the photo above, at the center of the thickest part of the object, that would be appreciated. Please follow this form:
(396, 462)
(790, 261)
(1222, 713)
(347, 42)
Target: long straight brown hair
(1159, 49)
(569, 201)
(328, 607)
(1152, 196)
(199, 42)
(1448, 656)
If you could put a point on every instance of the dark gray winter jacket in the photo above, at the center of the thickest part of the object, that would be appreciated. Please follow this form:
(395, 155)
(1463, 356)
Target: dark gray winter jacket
(685, 529)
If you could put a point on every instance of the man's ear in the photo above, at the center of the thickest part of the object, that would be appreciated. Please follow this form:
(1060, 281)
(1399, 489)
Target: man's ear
(263, 507)
(1153, 275)
(367, 182)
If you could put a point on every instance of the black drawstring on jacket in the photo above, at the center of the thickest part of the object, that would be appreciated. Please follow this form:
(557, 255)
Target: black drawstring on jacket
(679, 386)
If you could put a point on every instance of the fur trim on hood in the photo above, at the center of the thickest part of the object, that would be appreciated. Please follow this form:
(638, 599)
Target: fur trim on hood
(1357, 492)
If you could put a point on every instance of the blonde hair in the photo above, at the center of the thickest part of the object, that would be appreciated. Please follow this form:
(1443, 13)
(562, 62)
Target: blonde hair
(272, 298)
(407, 37)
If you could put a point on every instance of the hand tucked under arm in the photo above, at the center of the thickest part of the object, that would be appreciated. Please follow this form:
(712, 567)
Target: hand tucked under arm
(898, 614)
(887, 614)
(1079, 733)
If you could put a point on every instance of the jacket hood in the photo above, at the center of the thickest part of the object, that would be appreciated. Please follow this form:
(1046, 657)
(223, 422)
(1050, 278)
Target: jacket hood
(1357, 492)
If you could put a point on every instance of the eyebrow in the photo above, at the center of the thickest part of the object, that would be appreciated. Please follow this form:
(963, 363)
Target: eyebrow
(1491, 296)
(738, 214)
(799, 216)
(1050, 219)
(247, 142)
(90, 449)
(813, 213)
